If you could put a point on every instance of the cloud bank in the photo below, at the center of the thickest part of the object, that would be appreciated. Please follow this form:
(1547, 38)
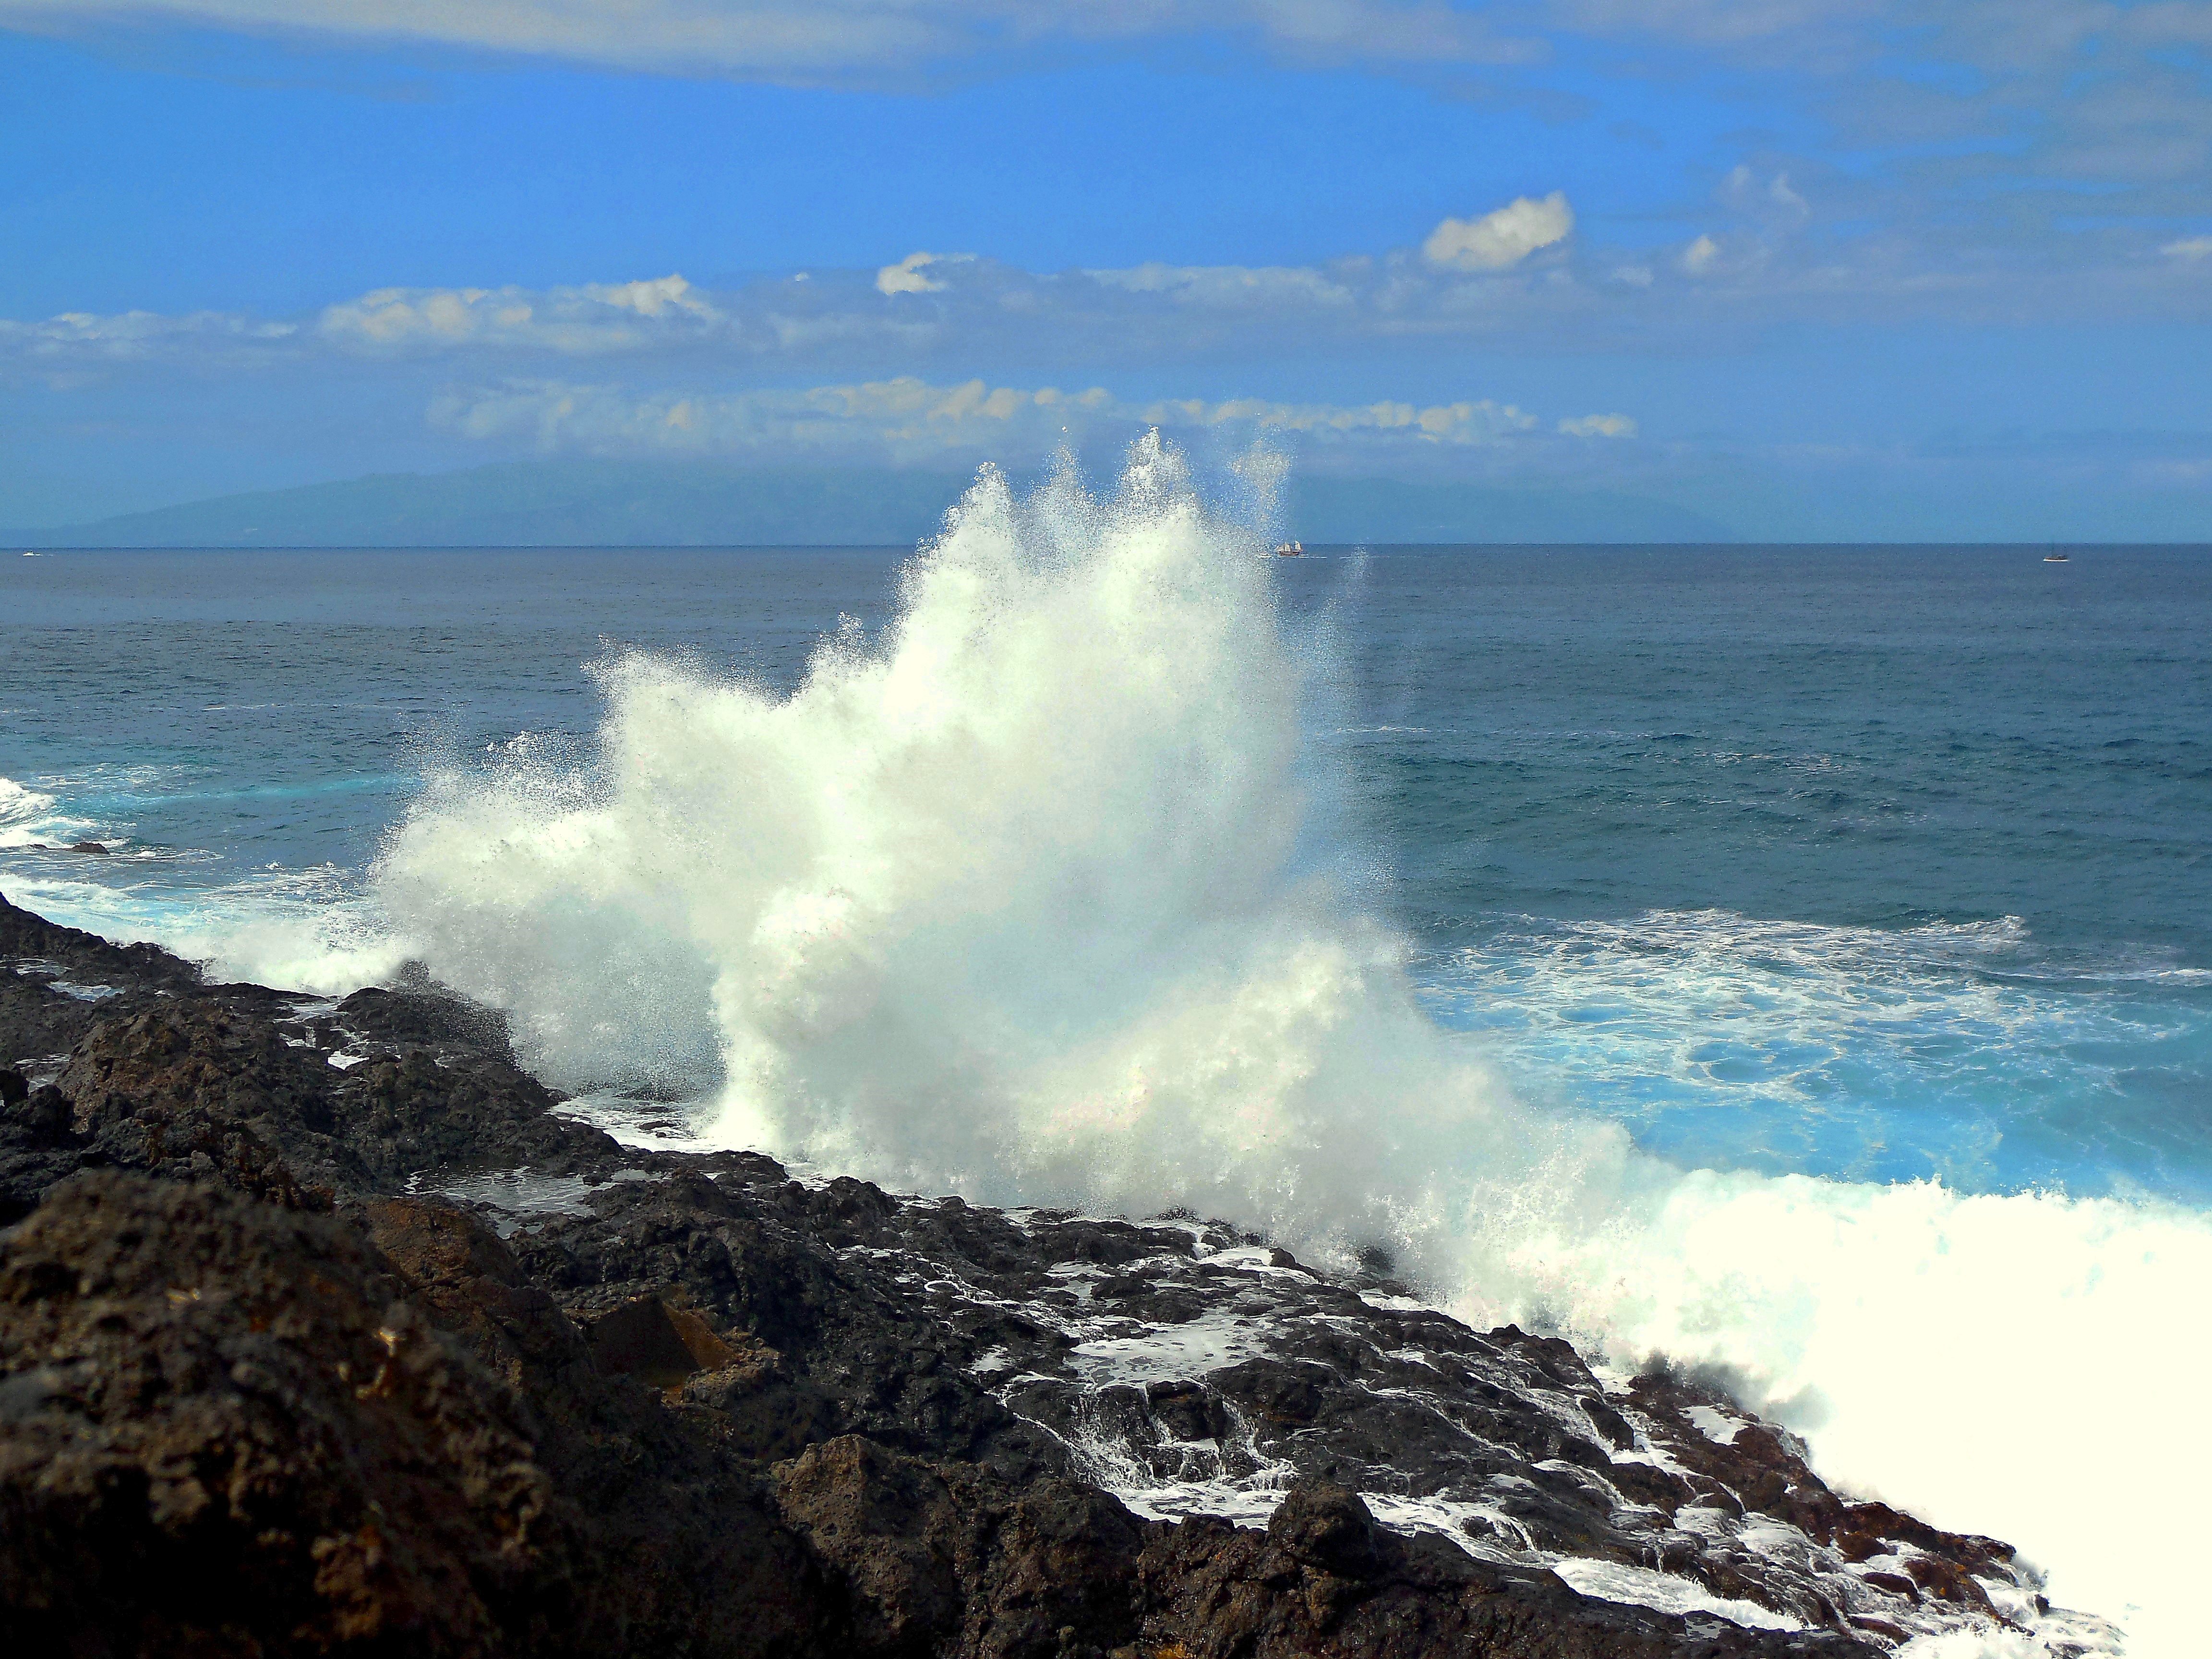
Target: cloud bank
(838, 40)
(590, 318)
(910, 420)
(1520, 274)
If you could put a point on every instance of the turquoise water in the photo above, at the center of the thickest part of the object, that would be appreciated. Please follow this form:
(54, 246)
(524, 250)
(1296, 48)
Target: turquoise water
(1876, 863)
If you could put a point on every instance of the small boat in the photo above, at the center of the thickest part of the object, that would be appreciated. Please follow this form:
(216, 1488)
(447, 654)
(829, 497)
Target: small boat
(1290, 550)
(2054, 557)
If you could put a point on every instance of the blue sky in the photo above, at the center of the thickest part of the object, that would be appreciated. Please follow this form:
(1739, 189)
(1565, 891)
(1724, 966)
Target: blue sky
(1821, 269)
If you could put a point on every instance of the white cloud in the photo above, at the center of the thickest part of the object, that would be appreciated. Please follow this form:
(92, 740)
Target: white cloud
(1744, 191)
(2190, 250)
(2188, 474)
(1457, 423)
(1229, 288)
(1701, 256)
(908, 274)
(834, 41)
(84, 338)
(589, 318)
(863, 321)
(1502, 238)
(912, 405)
(658, 297)
(904, 416)
(1599, 425)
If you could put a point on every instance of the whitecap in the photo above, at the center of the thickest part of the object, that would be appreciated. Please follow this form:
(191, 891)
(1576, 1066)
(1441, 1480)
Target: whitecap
(26, 815)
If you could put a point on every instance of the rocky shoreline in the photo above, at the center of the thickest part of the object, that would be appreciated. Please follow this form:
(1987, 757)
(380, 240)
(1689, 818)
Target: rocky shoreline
(326, 1328)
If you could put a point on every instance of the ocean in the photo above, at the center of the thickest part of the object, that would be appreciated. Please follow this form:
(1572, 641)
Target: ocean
(1796, 961)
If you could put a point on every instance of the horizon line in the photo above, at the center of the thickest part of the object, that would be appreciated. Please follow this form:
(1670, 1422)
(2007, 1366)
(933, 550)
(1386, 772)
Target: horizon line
(39, 549)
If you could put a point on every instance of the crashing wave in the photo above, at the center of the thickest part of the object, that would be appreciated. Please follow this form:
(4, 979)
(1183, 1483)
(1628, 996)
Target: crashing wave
(1029, 897)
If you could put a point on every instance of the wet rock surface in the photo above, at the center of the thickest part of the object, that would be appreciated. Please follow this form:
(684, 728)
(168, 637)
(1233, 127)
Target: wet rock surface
(324, 1328)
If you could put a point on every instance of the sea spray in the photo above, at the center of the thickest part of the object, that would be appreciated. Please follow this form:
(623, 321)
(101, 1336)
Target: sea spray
(1020, 898)
(1015, 900)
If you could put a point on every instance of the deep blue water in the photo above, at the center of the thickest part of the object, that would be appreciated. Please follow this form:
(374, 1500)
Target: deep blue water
(1872, 862)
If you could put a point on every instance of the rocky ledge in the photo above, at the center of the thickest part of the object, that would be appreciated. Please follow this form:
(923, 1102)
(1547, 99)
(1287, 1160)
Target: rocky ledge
(326, 1328)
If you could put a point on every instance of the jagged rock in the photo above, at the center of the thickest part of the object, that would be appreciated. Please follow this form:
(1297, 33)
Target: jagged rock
(862, 1357)
(185, 1090)
(658, 1344)
(37, 1149)
(950, 1558)
(56, 983)
(692, 1405)
(223, 1435)
(420, 1018)
(675, 1542)
(87, 958)
(413, 1114)
(233, 1428)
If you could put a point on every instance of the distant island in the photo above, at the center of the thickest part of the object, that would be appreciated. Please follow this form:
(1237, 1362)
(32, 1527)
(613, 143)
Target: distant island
(634, 504)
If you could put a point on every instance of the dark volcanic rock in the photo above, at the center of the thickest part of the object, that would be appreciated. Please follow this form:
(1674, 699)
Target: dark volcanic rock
(39, 1023)
(223, 1435)
(226, 1082)
(861, 1353)
(951, 1558)
(88, 959)
(413, 1115)
(420, 1018)
(233, 1428)
(37, 1149)
(258, 1394)
(675, 1545)
(56, 983)
(190, 1090)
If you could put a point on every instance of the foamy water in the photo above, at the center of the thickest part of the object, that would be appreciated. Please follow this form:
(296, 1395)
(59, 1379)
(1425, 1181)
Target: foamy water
(1791, 1046)
(1030, 896)
(26, 815)
(299, 930)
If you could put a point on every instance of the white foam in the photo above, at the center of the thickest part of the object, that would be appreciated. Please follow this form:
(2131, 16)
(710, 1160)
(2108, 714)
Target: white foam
(2055, 1638)
(294, 930)
(1025, 898)
(1731, 1010)
(1717, 1426)
(1217, 1338)
(1611, 1581)
(2020, 1366)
